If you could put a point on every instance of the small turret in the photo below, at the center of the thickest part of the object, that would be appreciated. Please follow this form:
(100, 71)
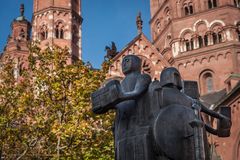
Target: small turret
(139, 23)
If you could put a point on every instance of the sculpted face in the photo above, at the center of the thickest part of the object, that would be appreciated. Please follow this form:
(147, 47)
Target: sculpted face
(130, 64)
(171, 77)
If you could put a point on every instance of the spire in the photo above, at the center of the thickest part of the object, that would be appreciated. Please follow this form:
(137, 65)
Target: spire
(139, 23)
(22, 9)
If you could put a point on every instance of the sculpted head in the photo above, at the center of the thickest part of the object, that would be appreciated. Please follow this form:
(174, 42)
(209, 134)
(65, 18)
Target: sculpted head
(171, 77)
(131, 63)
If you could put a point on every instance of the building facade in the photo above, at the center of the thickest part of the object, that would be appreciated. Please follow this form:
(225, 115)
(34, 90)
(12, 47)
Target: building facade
(54, 22)
(58, 22)
(202, 40)
(17, 42)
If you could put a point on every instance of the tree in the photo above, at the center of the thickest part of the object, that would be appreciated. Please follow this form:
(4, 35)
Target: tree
(14, 97)
(52, 101)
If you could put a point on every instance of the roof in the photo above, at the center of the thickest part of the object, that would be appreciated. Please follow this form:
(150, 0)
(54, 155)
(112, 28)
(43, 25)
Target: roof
(141, 35)
(234, 76)
(235, 92)
(20, 18)
(212, 98)
(127, 46)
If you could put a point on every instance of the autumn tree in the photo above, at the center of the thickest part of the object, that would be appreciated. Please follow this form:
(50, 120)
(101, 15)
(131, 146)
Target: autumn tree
(51, 105)
(15, 96)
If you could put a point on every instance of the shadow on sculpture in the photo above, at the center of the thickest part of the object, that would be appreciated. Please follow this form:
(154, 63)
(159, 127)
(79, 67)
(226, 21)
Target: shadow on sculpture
(159, 120)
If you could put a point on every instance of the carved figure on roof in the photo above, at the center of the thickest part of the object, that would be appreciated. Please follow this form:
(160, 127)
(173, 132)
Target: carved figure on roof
(111, 51)
(139, 23)
(22, 9)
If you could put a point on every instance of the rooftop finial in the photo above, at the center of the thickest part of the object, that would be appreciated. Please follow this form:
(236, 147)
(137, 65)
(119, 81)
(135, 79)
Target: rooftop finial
(22, 9)
(139, 23)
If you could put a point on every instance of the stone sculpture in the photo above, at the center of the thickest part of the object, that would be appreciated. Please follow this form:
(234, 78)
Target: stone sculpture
(156, 120)
(111, 51)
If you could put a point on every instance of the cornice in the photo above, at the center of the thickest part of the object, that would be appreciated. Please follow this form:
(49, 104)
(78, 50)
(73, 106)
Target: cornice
(210, 49)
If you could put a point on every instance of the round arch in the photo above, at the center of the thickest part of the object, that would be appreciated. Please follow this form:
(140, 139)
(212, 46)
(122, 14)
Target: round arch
(217, 22)
(198, 22)
(184, 31)
(206, 81)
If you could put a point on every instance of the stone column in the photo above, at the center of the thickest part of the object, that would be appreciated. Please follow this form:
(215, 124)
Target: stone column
(210, 39)
(195, 40)
(230, 33)
(176, 47)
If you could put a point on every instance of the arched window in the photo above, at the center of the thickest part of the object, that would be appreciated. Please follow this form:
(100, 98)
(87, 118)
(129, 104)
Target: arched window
(192, 44)
(212, 4)
(187, 43)
(207, 82)
(56, 33)
(237, 3)
(168, 15)
(22, 34)
(205, 40)
(43, 33)
(158, 26)
(186, 10)
(190, 9)
(200, 41)
(59, 32)
(219, 37)
(214, 37)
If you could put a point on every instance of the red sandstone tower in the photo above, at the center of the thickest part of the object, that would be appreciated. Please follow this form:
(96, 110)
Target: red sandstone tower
(200, 38)
(58, 22)
(17, 42)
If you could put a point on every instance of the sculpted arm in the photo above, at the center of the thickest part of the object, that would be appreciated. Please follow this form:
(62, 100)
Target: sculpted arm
(212, 113)
(141, 86)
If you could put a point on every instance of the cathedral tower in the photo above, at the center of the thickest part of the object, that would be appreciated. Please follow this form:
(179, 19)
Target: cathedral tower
(58, 22)
(200, 38)
(17, 43)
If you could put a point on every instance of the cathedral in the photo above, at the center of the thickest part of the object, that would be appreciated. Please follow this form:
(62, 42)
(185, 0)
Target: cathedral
(201, 38)
(54, 22)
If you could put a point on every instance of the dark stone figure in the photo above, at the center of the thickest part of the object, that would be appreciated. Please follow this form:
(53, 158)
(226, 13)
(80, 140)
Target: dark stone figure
(156, 120)
(132, 127)
(171, 130)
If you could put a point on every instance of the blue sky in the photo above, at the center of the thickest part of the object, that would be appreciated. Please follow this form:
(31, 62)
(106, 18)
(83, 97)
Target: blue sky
(104, 21)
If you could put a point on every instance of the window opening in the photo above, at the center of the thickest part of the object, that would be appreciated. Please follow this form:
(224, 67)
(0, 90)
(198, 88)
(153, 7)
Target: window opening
(191, 9)
(209, 83)
(214, 36)
(192, 44)
(219, 37)
(186, 11)
(200, 41)
(187, 45)
(206, 40)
